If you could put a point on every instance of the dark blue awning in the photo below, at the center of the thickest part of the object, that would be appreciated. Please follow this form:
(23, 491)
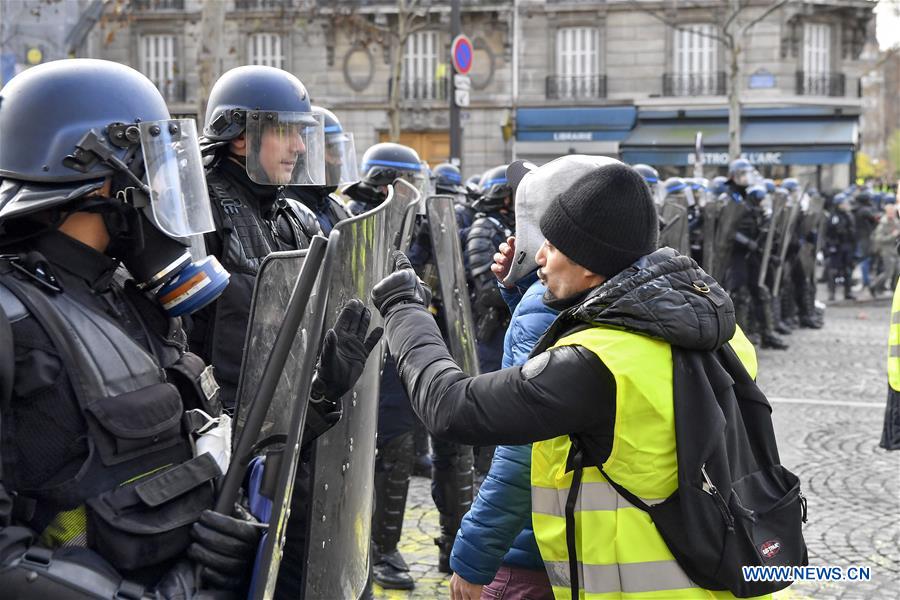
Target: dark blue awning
(764, 142)
(576, 124)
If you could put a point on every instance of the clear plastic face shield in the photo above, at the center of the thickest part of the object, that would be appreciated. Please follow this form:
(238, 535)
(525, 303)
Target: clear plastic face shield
(744, 176)
(285, 148)
(174, 169)
(341, 165)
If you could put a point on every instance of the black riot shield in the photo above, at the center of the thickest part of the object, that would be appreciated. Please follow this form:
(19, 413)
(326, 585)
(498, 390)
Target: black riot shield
(774, 233)
(710, 218)
(340, 507)
(457, 310)
(729, 215)
(788, 227)
(271, 293)
(675, 232)
(811, 225)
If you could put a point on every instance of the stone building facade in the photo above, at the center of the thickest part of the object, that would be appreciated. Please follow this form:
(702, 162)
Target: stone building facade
(600, 76)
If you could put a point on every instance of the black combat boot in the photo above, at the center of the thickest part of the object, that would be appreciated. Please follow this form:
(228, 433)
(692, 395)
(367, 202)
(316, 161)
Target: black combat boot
(451, 488)
(422, 464)
(393, 467)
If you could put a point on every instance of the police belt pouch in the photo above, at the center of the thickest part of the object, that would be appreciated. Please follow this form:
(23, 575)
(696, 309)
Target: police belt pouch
(148, 521)
(129, 425)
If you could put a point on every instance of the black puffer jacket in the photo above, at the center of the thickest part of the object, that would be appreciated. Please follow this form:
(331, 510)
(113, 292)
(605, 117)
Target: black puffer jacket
(565, 390)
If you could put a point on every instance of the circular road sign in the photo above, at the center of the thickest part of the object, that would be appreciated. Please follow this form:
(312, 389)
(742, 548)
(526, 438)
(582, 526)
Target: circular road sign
(461, 54)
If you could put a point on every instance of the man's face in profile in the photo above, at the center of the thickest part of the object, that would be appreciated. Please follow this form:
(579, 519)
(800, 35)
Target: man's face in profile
(280, 148)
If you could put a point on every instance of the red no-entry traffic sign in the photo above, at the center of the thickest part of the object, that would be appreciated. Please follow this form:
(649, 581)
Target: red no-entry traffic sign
(461, 54)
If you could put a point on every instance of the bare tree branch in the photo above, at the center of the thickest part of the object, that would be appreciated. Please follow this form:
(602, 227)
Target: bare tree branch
(675, 26)
(765, 14)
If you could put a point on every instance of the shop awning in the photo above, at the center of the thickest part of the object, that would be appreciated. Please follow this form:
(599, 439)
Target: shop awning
(764, 142)
(574, 124)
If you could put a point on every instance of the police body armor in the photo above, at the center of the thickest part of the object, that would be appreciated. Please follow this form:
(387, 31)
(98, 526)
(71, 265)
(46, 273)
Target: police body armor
(244, 237)
(487, 232)
(138, 491)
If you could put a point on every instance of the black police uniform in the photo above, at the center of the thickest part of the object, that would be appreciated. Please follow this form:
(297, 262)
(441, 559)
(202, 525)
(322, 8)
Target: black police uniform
(95, 445)
(840, 240)
(742, 279)
(252, 221)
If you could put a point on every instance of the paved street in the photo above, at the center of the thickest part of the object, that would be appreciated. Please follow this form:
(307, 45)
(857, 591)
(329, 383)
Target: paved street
(828, 395)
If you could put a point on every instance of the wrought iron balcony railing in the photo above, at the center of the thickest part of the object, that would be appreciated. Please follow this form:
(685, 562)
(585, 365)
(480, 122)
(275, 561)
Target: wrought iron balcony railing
(820, 84)
(151, 5)
(559, 87)
(694, 84)
(263, 5)
(423, 88)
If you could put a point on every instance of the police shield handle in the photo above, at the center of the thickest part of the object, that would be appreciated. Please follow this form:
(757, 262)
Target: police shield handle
(274, 366)
(503, 260)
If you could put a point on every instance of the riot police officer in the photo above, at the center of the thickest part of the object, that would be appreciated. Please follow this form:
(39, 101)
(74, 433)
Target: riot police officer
(745, 261)
(494, 223)
(651, 176)
(381, 165)
(100, 190)
(840, 242)
(448, 181)
(261, 135)
(340, 169)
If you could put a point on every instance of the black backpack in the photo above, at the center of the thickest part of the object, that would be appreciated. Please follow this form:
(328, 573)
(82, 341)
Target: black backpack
(735, 505)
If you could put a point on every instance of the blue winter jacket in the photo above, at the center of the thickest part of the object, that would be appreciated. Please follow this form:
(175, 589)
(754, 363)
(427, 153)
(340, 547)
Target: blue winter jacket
(497, 529)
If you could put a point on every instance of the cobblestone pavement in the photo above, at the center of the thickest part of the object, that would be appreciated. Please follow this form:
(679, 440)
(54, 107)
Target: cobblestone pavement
(828, 395)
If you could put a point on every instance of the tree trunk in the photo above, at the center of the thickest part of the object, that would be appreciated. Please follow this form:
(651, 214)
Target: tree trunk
(734, 82)
(734, 104)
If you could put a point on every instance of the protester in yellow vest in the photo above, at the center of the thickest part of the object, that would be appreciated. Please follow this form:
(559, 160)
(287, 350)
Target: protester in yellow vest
(603, 373)
(890, 435)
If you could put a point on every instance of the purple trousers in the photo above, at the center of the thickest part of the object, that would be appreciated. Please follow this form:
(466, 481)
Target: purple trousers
(513, 583)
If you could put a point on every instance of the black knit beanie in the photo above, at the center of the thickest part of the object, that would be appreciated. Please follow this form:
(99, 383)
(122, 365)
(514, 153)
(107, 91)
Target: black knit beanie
(604, 221)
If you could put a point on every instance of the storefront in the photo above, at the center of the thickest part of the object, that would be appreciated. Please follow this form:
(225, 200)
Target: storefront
(543, 134)
(816, 143)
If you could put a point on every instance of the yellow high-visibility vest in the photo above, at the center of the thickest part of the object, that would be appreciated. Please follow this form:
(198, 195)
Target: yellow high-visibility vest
(620, 553)
(893, 365)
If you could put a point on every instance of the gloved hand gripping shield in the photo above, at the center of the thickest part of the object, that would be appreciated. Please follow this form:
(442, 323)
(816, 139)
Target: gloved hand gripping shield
(285, 148)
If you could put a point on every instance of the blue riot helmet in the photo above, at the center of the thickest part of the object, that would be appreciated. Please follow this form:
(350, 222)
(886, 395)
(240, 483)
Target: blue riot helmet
(448, 179)
(650, 175)
(756, 193)
(769, 185)
(676, 186)
(496, 193)
(69, 127)
(341, 166)
(384, 163)
(740, 171)
(283, 139)
(791, 184)
(717, 187)
(877, 199)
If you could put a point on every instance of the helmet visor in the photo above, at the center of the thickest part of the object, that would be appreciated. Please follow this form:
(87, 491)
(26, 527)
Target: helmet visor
(285, 148)
(174, 168)
(340, 159)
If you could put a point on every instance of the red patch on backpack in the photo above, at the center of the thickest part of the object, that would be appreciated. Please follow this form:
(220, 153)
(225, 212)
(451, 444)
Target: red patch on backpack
(770, 549)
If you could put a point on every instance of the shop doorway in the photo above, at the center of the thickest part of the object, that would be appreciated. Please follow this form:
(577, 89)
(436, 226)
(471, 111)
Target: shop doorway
(433, 146)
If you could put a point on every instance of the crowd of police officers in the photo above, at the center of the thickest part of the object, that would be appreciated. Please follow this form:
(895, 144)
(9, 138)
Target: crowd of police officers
(130, 251)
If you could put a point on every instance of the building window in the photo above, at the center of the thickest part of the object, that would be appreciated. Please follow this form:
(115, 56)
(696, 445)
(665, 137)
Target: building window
(265, 49)
(695, 61)
(421, 80)
(577, 64)
(158, 64)
(816, 77)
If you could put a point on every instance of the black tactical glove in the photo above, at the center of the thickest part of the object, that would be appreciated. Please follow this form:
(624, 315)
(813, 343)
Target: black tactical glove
(225, 548)
(402, 286)
(344, 352)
